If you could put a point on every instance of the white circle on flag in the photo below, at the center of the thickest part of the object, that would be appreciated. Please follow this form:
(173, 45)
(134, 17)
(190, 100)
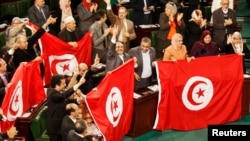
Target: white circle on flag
(197, 93)
(114, 106)
(16, 103)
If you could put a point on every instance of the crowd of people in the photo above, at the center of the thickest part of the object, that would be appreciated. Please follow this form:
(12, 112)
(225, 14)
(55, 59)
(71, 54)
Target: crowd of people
(178, 39)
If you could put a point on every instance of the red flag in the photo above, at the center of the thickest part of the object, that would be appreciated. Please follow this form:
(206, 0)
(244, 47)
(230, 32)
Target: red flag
(62, 58)
(111, 103)
(26, 90)
(207, 90)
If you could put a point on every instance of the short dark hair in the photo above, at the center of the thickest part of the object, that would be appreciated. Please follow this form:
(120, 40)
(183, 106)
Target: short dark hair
(56, 80)
(80, 126)
(99, 14)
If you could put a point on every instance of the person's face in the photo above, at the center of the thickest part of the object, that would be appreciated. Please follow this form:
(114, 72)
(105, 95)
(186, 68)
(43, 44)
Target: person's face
(62, 85)
(88, 1)
(40, 3)
(22, 43)
(82, 69)
(207, 39)
(71, 26)
(236, 40)
(77, 111)
(3, 66)
(145, 46)
(224, 4)
(119, 48)
(15, 22)
(104, 18)
(122, 13)
(167, 11)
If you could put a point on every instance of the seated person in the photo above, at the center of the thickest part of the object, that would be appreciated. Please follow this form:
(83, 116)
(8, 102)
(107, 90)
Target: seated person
(204, 47)
(237, 46)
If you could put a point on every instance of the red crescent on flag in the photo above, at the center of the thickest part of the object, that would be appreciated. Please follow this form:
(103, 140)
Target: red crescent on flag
(190, 90)
(112, 108)
(15, 101)
(53, 65)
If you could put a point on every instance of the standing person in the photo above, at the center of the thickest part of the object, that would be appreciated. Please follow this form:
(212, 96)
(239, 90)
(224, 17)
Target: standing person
(224, 21)
(68, 122)
(100, 36)
(237, 46)
(16, 28)
(145, 55)
(65, 11)
(170, 22)
(204, 47)
(116, 55)
(176, 51)
(86, 11)
(24, 50)
(196, 25)
(56, 100)
(5, 78)
(143, 11)
(125, 26)
(38, 13)
(216, 4)
(70, 33)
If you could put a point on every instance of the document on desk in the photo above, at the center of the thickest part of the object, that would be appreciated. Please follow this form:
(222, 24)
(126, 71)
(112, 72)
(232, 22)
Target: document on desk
(246, 76)
(136, 95)
(124, 1)
(149, 26)
(154, 88)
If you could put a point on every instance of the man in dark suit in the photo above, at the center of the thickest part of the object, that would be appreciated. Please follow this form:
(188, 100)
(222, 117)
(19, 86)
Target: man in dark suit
(5, 78)
(57, 99)
(145, 55)
(224, 21)
(69, 120)
(79, 134)
(39, 13)
(116, 55)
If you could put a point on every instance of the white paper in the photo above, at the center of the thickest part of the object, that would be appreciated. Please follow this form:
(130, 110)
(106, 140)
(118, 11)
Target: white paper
(246, 76)
(154, 88)
(137, 95)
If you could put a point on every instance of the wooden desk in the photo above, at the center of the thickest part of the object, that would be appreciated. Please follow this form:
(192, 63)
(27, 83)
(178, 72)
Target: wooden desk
(144, 112)
(23, 123)
(144, 32)
(246, 97)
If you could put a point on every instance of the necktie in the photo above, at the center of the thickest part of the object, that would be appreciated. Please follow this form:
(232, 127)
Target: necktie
(5, 81)
(124, 38)
(41, 10)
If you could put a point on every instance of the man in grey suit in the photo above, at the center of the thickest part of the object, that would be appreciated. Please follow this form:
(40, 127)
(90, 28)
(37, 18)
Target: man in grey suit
(145, 55)
(38, 13)
(116, 55)
(224, 21)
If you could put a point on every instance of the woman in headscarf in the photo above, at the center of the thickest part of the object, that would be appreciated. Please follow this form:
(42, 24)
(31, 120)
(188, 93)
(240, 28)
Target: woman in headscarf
(86, 10)
(170, 22)
(176, 51)
(204, 47)
(237, 46)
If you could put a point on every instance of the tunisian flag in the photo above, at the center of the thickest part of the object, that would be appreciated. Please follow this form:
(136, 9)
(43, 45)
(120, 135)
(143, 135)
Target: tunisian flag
(207, 90)
(26, 90)
(61, 58)
(111, 103)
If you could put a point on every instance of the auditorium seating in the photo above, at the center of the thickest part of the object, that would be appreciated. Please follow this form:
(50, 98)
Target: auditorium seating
(38, 125)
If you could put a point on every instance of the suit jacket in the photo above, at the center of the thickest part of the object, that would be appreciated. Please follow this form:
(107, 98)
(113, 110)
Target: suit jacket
(72, 136)
(219, 30)
(86, 18)
(113, 59)
(36, 17)
(29, 53)
(8, 76)
(130, 27)
(56, 102)
(100, 41)
(138, 14)
(67, 125)
(165, 28)
(136, 52)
